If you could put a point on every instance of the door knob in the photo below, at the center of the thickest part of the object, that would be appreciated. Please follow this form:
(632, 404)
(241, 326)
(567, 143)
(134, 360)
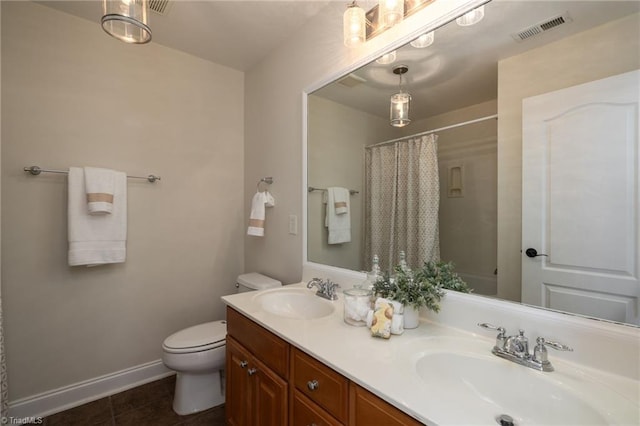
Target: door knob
(531, 252)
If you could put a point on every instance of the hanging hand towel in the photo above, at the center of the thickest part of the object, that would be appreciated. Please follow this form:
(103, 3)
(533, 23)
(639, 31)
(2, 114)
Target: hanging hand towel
(96, 239)
(339, 224)
(99, 185)
(257, 216)
(341, 200)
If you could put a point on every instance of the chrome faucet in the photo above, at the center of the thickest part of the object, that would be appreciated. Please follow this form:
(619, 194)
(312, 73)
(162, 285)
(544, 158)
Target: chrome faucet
(326, 289)
(516, 349)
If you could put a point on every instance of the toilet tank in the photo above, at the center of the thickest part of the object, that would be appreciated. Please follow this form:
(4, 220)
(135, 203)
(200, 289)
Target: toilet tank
(255, 281)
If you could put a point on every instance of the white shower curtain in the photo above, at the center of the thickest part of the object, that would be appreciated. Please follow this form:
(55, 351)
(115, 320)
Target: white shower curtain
(402, 197)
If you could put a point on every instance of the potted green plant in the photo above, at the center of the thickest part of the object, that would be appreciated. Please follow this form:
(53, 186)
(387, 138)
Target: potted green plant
(442, 274)
(421, 288)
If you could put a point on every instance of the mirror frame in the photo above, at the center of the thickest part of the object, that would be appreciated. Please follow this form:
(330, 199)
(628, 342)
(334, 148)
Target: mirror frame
(404, 37)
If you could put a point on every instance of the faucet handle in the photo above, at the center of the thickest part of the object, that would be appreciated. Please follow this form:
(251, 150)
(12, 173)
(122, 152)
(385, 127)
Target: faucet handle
(501, 338)
(540, 352)
(331, 289)
(555, 345)
(500, 330)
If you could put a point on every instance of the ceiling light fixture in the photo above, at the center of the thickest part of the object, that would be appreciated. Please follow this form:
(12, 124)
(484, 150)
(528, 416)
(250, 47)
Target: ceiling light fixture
(384, 15)
(354, 25)
(390, 12)
(400, 102)
(126, 20)
(471, 18)
(425, 40)
(387, 58)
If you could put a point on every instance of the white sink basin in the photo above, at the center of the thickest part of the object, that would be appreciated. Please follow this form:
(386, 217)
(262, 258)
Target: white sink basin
(295, 303)
(484, 387)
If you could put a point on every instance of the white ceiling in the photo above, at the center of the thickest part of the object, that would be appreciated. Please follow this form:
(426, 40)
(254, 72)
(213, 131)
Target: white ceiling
(458, 70)
(237, 34)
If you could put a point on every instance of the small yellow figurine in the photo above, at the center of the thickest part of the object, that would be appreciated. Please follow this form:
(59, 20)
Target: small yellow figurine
(381, 324)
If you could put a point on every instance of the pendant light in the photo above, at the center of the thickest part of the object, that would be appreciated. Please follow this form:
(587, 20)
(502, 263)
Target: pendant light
(471, 18)
(400, 102)
(126, 20)
(390, 12)
(354, 27)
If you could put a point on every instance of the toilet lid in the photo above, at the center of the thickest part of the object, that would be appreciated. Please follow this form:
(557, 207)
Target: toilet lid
(198, 335)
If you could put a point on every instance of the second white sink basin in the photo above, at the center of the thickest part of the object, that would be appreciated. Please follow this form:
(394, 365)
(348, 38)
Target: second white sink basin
(295, 303)
(499, 388)
(484, 387)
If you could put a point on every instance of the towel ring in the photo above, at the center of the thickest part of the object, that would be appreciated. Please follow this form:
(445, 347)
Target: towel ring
(268, 180)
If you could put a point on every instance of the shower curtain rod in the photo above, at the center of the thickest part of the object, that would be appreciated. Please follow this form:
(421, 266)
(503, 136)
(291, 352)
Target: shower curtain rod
(428, 132)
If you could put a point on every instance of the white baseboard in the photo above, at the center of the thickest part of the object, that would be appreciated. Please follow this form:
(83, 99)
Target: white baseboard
(66, 397)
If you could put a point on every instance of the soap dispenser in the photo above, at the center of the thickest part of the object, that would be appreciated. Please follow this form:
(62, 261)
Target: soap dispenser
(373, 275)
(404, 267)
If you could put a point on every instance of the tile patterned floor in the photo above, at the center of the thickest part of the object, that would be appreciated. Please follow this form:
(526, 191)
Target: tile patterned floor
(148, 404)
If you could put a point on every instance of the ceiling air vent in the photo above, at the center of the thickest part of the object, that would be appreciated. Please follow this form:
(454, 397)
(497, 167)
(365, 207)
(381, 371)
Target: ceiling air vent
(351, 80)
(159, 6)
(541, 27)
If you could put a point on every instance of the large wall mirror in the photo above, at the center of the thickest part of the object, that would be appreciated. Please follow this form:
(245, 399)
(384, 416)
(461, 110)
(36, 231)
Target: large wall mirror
(519, 164)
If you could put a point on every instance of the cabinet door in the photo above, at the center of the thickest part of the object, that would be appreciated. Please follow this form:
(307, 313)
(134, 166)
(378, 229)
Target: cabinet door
(270, 400)
(367, 409)
(238, 404)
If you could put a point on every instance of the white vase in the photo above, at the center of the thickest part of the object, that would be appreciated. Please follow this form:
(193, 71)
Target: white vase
(411, 317)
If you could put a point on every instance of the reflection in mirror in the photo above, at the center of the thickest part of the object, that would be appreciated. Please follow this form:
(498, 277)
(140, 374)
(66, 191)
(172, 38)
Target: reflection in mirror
(532, 117)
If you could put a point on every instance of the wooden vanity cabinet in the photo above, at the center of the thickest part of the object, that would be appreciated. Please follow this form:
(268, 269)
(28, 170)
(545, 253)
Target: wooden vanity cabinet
(257, 364)
(272, 383)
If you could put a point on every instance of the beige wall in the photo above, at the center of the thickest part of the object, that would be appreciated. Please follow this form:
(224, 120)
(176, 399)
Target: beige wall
(274, 117)
(71, 95)
(337, 136)
(591, 55)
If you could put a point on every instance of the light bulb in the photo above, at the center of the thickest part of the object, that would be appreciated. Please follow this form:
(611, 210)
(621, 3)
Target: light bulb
(354, 29)
(471, 18)
(425, 40)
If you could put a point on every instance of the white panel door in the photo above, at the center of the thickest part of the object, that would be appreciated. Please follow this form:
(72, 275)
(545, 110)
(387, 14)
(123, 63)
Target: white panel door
(580, 199)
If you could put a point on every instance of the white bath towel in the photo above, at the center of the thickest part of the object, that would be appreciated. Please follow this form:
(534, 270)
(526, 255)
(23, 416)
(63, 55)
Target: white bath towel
(96, 240)
(339, 225)
(340, 199)
(257, 216)
(99, 185)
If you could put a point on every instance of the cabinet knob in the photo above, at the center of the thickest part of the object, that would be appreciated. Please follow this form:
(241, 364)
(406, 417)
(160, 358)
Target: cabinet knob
(243, 364)
(313, 385)
(252, 371)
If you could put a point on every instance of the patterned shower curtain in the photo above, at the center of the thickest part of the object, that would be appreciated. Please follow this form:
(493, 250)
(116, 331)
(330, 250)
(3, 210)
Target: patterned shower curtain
(402, 197)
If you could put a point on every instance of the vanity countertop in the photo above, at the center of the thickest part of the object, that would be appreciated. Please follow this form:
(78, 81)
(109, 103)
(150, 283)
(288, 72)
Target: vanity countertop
(388, 367)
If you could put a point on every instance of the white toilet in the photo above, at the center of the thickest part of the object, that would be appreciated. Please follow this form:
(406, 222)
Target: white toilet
(197, 354)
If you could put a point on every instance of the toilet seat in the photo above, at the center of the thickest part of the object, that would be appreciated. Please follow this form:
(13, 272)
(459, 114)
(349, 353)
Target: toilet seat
(198, 338)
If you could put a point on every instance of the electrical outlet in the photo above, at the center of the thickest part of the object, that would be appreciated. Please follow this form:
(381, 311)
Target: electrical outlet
(293, 224)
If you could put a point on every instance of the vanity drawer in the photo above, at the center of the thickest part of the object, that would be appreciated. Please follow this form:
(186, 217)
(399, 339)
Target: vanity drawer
(367, 409)
(264, 345)
(320, 384)
(305, 412)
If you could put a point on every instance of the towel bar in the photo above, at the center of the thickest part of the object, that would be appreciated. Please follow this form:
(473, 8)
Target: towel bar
(311, 189)
(268, 180)
(35, 170)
